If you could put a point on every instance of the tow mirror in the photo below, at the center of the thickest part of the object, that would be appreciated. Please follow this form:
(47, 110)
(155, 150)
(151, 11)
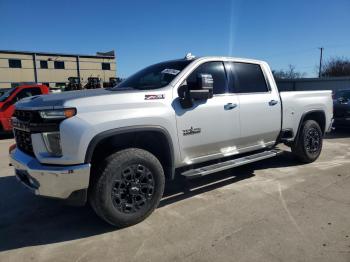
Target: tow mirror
(205, 84)
(184, 95)
(202, 91)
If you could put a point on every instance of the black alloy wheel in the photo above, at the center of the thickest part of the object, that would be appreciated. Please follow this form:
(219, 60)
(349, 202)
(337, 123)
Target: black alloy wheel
(127, 186)
(312, 141)
(134, 190)
(307, 145)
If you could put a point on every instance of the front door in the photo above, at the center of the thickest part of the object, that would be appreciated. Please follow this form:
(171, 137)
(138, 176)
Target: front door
(210, 128)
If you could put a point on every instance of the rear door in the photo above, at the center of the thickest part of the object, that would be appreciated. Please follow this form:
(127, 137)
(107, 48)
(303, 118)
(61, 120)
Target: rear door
(260, 108)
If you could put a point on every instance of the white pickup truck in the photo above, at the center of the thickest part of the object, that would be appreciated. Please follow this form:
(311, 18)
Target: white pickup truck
(191, 117)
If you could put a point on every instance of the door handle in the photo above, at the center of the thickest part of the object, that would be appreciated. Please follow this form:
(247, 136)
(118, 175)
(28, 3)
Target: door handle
(230, 106)
(273, 102)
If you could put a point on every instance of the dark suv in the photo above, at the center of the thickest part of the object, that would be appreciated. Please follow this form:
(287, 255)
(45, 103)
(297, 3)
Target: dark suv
(341, 101)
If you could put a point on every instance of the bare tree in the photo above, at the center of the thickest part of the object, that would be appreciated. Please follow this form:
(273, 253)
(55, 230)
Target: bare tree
(289, 73)
(336, 66)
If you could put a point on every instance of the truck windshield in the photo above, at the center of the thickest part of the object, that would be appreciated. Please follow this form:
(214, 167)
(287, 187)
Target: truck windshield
(154, 76)
(6, 94)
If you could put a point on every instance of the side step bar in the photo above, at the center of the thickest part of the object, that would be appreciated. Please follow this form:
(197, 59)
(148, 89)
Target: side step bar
(206, 170)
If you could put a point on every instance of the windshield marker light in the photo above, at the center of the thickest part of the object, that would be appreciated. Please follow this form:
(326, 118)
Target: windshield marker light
(189, 56)
(58, 113)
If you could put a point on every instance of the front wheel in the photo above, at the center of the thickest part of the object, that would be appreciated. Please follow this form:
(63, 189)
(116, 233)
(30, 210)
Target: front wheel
(308, 144)
(127, 187)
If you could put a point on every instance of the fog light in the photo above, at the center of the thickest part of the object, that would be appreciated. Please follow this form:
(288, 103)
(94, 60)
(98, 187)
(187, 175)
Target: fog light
(52, 142)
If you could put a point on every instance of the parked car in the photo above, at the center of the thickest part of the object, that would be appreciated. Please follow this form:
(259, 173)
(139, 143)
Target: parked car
(341, 101)
(3, 90)
(13, 95)
(191, 117)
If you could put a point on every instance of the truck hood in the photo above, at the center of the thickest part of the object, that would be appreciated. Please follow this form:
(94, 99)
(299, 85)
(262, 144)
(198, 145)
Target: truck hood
(93, 100)
(59, 100)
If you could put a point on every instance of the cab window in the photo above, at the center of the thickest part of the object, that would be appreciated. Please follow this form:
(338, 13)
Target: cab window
(246, 78)
(216, 70)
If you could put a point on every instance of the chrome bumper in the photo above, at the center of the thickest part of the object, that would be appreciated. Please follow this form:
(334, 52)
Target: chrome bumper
(47, 180)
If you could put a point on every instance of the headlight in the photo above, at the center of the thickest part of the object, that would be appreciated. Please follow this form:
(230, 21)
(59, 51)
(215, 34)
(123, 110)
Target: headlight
(58, 113)
(52, 142)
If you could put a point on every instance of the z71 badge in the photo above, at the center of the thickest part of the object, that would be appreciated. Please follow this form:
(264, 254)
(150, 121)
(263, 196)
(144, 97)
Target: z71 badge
(191, 131)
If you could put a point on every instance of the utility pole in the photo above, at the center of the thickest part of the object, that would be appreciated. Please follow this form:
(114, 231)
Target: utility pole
(320, 68)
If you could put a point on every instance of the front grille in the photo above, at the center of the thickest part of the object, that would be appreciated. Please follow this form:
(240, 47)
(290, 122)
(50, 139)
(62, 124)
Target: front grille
(27, 122)
(24, 141)
(28, 116)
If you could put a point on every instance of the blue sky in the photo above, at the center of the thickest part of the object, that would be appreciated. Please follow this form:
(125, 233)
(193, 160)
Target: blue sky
(144, 32)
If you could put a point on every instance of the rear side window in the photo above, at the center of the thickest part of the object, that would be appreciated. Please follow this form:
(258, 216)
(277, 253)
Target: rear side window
(248, 78)
(216, 69)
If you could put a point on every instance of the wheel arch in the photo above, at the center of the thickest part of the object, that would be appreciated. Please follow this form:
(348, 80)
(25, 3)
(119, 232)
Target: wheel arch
(317, 115)
(155, 139)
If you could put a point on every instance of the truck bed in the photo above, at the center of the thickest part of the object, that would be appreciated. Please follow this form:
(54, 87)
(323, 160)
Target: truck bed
(297, 103)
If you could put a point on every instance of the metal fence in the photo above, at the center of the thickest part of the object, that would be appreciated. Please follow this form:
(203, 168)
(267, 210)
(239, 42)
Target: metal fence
(302, 84)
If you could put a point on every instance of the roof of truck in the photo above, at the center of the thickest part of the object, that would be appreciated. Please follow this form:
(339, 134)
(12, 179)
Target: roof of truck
(228, 58)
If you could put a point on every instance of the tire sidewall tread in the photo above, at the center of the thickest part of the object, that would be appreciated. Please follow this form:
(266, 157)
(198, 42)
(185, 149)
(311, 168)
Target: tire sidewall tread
(100, 198)
(298, 147)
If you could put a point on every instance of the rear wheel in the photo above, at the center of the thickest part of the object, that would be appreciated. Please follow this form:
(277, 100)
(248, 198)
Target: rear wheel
(308, 144)
(127, 187)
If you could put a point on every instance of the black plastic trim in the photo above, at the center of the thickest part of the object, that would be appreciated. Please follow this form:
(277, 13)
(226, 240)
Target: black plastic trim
(303, 117)
(123, 130)
(286, 134)
(34, 127)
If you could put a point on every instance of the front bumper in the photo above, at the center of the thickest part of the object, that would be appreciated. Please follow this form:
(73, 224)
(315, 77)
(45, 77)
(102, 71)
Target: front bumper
(48, 180)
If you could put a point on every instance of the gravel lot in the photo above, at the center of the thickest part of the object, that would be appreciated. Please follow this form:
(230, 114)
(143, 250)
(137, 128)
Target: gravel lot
(274, 210)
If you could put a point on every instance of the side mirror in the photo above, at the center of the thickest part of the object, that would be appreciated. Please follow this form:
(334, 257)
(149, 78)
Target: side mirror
(205, 84)
(184, 95)
(202, 91)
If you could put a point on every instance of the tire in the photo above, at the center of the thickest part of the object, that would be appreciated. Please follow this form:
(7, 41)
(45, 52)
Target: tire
(308, 144)
(127, 187)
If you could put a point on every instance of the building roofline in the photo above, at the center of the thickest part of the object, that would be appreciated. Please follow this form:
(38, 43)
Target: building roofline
(55, 54)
